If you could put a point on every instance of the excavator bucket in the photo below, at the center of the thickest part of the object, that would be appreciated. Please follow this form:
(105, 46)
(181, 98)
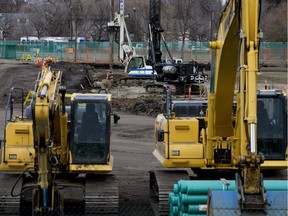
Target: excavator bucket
(222, 203)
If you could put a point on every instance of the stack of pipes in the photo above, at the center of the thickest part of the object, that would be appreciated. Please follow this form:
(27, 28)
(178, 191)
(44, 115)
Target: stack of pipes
(189, 197)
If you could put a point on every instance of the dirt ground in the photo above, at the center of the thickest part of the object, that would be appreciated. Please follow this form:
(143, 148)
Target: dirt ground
(132, 137)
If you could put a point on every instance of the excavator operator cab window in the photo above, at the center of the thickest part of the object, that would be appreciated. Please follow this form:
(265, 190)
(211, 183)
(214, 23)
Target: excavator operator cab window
(135, 62)
(90, 132)
(190, 109)
(271, 137)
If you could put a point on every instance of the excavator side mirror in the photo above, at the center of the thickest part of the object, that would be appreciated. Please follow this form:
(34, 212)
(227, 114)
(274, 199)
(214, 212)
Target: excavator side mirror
(116, 118)
(160, 135)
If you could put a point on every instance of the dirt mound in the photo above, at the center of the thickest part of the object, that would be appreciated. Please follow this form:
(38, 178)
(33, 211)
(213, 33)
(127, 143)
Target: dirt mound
(81, 77)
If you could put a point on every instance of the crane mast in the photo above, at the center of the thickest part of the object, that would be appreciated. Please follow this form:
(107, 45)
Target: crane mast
(125, 50)
(155, 30)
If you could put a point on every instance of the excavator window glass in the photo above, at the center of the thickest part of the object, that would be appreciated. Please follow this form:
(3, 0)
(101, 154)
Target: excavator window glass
(189, 109)
(90, 135)
(270, 127)
(135, 62)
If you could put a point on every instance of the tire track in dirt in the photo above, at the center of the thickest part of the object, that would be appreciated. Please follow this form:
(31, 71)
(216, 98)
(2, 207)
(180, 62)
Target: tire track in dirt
(6, 79)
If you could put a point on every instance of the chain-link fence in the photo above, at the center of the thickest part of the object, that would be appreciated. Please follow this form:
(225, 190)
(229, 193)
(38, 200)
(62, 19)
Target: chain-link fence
(99, 52)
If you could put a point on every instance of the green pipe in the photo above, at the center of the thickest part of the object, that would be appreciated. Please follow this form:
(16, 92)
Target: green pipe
(176, 188)
(193, 199)
(187, 214)
(174, 199)
(276, 185)
(174, 211)
(197, 209)
(194, 209)
(201, 187)
(189, 194)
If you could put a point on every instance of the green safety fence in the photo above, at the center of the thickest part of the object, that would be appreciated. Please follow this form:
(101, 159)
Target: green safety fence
(99, 52)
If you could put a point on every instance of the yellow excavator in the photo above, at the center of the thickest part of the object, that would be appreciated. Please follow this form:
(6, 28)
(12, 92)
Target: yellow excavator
(56, 157)
(251, 139)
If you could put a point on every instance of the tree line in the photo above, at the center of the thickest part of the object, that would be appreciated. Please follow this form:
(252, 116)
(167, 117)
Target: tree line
(189, 20)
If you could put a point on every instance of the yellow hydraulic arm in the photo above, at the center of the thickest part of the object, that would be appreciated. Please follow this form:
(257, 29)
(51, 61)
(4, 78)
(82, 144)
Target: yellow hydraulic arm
(50, 126)
(236, 50)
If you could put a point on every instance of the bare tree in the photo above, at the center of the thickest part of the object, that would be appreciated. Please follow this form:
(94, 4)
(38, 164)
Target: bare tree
(56, 16)
(38, 22)
(181, 19)
(98, 18)
(274, 27)
(10, 6)
(210, 14)
(169, 21)
(142, 19)
(6, 26)
(187, 19)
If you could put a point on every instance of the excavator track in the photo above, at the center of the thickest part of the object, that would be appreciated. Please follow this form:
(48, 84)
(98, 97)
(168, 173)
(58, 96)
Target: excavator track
(9, 205)
(133, 80)
(101, 197)
(161, 184)
(89, 195)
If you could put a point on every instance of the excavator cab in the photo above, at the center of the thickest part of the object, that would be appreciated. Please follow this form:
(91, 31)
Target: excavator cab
(272, 124)
(90, 129)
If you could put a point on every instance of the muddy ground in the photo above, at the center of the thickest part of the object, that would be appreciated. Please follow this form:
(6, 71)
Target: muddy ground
(132, 137)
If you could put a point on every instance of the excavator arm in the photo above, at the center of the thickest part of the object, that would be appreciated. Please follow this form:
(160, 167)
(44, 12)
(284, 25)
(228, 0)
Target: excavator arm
(50, 129)
(236, 53)
(230, 136)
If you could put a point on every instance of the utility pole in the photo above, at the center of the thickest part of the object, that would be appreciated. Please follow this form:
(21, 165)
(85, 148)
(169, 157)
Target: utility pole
(111, 38)
(75, 28)
(121, 30)
(134, 24)
(211, 25)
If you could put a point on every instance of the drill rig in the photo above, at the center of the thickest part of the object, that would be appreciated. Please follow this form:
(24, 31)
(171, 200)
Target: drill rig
(56, 159)
(244, 143)
(176, 73)
(135, 65)
(173, 71)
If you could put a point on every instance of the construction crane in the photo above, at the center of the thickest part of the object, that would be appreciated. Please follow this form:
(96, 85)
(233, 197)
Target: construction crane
(56, 158)
(244, 142)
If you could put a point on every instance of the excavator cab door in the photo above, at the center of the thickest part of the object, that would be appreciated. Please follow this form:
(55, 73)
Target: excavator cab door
(135, 62)
(271, 126)
(90, 132)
